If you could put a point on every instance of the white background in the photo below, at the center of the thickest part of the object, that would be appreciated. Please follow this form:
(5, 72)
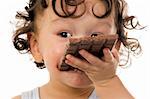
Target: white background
(18, 73)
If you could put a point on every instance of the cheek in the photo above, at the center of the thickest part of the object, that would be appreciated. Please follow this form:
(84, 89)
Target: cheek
(53, 54)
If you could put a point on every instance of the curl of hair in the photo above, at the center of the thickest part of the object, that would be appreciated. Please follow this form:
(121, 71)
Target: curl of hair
(122, 20)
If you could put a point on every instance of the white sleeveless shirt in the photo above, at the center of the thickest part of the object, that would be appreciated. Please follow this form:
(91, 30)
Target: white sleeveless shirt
(34, 94)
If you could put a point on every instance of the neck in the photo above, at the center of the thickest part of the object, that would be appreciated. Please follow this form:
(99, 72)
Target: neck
(60, 90)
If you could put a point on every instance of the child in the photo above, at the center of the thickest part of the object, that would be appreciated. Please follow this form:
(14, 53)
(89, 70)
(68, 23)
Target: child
(49, 24)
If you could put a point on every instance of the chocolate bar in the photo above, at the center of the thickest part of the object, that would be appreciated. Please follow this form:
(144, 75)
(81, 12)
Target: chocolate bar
(93, 45)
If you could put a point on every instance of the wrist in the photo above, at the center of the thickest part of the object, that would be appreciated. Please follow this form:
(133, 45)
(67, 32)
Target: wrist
(112, 88)
(107, 82)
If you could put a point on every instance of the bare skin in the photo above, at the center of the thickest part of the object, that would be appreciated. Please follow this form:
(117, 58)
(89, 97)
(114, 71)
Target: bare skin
(49, 44)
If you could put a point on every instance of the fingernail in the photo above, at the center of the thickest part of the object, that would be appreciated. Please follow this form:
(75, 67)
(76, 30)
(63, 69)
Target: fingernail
(106, 50)
(68, 56)
(81, 51)
(66, 61)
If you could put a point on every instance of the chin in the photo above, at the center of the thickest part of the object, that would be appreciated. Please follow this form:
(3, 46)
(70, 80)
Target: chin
(75, 78)
(78, 86)
(77, 81)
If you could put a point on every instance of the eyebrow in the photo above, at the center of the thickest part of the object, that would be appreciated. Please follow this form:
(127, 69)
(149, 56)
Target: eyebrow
(55, 20)
(107, 23)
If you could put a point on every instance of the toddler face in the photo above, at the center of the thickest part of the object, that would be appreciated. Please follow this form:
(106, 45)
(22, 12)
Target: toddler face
(53, 33)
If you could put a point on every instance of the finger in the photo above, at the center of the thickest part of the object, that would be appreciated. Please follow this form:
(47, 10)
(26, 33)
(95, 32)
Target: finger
(118, 44)
(89, 57)
(77, 63)
(108, 56)
(115, 54)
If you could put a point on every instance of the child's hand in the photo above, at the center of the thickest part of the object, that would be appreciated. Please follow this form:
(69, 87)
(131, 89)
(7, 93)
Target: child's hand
(98, 70)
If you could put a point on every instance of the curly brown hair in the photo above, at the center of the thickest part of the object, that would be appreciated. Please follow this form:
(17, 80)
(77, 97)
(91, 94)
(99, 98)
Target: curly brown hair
(122, 20)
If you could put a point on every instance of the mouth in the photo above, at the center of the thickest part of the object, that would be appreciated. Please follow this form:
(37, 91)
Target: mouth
(75, 70)
(66, 67)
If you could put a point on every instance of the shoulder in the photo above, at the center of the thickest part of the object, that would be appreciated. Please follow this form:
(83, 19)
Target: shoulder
(17, 97)
(31, 94)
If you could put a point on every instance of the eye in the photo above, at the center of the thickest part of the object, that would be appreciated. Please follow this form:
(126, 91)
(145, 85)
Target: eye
(65, 34)
(94, 34)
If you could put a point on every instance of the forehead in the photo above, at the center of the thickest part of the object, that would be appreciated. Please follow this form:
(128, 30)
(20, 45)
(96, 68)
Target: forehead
(56, 15)
(77, 8)
(74, 9)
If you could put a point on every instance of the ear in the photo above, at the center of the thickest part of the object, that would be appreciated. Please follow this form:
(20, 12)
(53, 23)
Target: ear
(34, 47)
